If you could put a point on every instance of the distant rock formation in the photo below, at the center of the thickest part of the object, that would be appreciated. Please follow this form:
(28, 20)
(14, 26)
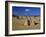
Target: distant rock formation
(35, 19)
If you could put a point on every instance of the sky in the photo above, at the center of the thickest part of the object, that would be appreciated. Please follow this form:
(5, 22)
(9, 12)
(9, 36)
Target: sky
(25, 11)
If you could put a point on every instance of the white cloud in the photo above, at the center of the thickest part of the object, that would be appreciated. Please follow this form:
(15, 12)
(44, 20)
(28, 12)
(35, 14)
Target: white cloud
(26, 9)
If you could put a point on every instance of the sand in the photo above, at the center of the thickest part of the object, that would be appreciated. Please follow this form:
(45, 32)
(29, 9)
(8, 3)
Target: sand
(25, 23)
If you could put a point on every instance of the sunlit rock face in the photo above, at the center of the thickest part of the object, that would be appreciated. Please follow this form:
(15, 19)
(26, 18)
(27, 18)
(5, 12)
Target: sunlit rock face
(26, 22)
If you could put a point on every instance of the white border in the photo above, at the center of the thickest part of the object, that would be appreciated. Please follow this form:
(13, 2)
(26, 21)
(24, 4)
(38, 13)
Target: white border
(24, 5)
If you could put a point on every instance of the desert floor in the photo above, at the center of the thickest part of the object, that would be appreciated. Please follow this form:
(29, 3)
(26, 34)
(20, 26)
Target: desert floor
(22, 23)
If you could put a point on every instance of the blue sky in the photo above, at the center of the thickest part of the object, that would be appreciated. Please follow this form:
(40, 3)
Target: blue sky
(25, 11)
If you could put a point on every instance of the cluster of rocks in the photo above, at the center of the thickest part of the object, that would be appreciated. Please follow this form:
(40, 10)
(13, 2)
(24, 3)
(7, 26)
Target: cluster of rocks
(29, 19)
